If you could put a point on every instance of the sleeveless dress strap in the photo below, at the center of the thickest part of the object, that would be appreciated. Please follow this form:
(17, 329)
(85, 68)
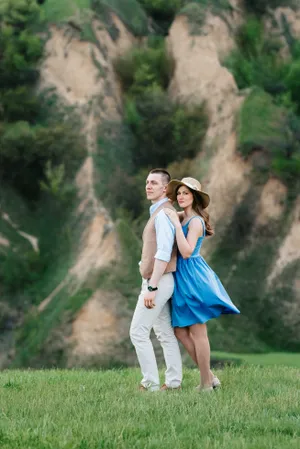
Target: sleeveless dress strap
(202, 221)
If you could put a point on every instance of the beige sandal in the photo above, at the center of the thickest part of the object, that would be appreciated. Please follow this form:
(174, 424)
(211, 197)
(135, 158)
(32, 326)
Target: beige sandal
(216, 383)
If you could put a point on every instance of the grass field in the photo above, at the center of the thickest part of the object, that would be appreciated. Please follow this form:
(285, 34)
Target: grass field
(270, 359)
(256, 408)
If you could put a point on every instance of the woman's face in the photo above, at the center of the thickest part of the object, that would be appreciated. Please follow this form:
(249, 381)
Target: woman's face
(184, 197)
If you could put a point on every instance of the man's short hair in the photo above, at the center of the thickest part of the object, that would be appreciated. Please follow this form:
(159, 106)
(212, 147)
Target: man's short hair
(164, 173)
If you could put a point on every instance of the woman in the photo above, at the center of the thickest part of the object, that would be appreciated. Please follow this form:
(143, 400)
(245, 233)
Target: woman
(199, 294)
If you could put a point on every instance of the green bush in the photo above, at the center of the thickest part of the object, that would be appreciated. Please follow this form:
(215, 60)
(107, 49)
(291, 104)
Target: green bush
(162, 12)
(41, 149)
(261, 6)
(296, 49)
(19, 270)
(260, 123)
(293, 82)
(161, 7)
(256, 62)
(272, 129)
(20, 49)
(287, 169)
(25, 151)
(129, 11)
(196, 12)
(214, 5)
(196, 15)
(165, 131)
(145, 67)
(282, 295)
(23, 13)
(19, 104)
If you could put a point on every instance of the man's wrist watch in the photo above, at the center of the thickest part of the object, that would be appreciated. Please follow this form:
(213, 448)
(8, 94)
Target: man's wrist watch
(152, 289)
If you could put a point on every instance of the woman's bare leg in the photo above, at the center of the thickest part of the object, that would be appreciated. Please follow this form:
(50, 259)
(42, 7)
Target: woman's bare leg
(183, 334)
(199, 336)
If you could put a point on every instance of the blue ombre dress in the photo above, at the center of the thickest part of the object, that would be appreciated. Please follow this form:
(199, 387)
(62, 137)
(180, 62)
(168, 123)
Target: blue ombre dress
(199, 294)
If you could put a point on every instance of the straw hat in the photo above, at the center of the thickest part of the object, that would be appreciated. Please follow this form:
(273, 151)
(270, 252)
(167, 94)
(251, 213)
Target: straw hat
(192, 184)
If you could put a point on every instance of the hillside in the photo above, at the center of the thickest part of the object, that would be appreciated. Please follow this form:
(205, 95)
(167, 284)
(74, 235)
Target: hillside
(256, 408)
(208, 89)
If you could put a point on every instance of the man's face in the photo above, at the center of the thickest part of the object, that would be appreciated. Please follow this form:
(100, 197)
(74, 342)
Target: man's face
(155, 187)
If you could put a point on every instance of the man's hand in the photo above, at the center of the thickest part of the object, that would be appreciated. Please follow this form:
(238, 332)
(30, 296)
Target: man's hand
(149, 300)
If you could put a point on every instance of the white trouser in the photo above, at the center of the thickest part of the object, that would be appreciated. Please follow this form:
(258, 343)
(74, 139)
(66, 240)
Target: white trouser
(158, 318)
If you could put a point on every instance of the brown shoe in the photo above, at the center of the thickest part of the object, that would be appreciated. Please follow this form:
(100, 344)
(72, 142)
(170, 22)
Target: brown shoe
(142, 388)
(165, 387)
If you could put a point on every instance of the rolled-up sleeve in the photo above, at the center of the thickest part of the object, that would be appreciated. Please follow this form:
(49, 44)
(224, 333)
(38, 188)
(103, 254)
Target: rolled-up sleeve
(165, 234)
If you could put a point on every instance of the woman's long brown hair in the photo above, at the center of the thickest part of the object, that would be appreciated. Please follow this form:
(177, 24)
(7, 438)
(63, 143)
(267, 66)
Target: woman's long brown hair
(198, 208)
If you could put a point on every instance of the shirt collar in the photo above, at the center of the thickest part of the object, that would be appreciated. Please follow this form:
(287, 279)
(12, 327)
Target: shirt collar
(155, 206)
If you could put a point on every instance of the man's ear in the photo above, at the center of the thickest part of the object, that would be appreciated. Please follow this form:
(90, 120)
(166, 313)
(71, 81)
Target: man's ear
(165, 188)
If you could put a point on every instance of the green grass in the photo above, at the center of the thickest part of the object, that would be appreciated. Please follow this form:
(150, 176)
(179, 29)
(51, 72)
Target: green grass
(261, 123)
(32, 342)
(58, 10)
(269, 359)
(257, 408)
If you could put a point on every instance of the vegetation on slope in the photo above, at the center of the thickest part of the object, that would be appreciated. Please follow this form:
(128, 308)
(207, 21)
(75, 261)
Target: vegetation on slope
(155, 129)
(40, 147)
(40, 152)
(269, 118)
(268, 123)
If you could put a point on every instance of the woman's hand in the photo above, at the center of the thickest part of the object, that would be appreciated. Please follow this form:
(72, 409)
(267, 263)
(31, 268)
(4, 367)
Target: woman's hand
(173, 216)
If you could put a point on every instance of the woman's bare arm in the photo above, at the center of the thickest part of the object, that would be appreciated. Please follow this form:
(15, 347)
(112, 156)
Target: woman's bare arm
(186, 245)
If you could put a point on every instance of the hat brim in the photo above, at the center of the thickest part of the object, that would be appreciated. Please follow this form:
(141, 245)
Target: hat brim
(175, 184)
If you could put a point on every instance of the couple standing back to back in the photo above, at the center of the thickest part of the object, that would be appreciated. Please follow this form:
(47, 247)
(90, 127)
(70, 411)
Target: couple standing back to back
(172, 266)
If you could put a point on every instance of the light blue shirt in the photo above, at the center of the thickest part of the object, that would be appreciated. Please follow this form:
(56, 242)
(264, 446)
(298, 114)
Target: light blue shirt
(165, 232)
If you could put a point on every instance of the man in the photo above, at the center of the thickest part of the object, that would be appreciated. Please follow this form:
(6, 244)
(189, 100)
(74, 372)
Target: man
(153, 307)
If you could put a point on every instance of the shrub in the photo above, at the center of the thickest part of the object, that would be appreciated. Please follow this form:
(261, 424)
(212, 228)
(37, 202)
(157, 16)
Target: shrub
(162, 12)
(129, 11)
(165, 131)
(55, 183)
(18, 104)
(261, 6)
(196, 15)
(20, 48)
(273, 129)
(196, 11)
(287, 169)
(256, 62)
(293, 82)
(31, 133)
(25, 151)
(40, 150)
(145, 67)
(296, 49)
(19, 270)
(20, 13)
(260, 123)
(164, 8)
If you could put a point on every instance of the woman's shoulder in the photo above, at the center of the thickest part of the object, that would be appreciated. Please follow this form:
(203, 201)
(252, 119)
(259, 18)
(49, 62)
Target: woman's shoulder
(196, 223)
